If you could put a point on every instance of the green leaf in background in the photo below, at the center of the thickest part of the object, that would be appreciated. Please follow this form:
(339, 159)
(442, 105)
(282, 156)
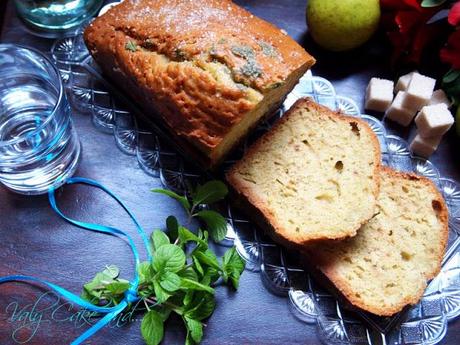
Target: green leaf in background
(210, 192)
(182, 199)
(194, 328)
(216, 224)
(169, 257)
(194, 285)
(152, 328)
(432, 3)
(172, 225)
(451, 76)
(159, 239)
(232, 265)
(170, 281)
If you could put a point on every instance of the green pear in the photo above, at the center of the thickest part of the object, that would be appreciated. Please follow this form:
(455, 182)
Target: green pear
(340, 25)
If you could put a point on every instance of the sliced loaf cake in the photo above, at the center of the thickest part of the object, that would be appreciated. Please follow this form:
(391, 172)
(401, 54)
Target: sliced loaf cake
(385, 267)
(314, 176)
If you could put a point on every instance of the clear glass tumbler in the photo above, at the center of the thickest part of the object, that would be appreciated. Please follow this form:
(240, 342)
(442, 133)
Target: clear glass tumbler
(38, 144)
(56, 15)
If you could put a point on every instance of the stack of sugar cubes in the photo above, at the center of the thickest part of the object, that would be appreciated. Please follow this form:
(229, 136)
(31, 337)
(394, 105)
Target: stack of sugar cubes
(415, 95)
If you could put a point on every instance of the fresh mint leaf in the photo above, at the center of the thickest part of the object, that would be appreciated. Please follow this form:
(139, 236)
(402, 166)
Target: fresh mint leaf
(93, 290)
(159, 239)
(194, 328)
(207, 258)
(210, 276)
(169, 257)
(432, 3)
(182, 199)
(232, 266)
(161, 294)
(194, 285)
(185, 235)
(201, 307)
(189, 273)
(152, 328)
(145, 272)
(111, 271)
(173, 227)
(170, 281)
(216, 224)
(210, 192)
(118, 287)
(188, 297)
(131, 46)
(197, 265)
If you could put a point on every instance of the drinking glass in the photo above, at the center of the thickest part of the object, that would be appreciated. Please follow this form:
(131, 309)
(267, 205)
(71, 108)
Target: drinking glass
(56, 15)
(38, 144)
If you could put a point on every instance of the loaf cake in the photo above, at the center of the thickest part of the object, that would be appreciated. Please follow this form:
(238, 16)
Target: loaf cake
(385, 267)
(313, 176)
(208, 69)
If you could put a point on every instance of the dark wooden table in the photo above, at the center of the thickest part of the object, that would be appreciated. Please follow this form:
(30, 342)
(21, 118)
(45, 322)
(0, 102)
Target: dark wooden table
(34, 241)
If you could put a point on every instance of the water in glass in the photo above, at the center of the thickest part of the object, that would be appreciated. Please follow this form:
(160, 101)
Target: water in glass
(38, 145)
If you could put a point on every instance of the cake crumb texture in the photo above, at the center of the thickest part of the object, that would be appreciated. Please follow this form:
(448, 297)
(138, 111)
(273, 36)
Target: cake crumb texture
(314, 176)
(385, 267)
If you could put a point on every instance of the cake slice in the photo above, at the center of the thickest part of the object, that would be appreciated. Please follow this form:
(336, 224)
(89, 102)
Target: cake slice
(313, 176)
(386, 266)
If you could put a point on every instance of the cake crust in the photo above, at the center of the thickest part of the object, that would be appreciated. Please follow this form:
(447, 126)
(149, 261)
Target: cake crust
(183, 60)
(263, 214)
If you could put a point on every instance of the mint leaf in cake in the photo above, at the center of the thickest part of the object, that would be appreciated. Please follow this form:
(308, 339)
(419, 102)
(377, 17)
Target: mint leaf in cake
(251, 69)
(131, 46)
(244, 51)
(267, 49)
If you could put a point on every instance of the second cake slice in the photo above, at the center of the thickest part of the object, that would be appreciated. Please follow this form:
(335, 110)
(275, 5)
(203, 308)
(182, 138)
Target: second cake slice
(314, 176)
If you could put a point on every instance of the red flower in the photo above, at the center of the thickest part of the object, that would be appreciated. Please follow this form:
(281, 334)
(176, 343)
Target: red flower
(454, 14)
(451, 53)
(400, 4)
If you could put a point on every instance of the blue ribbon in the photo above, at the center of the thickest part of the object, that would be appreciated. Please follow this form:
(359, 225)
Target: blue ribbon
(130, 295)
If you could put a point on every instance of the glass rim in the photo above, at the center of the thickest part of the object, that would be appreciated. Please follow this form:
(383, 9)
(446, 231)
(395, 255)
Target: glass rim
(57, 103)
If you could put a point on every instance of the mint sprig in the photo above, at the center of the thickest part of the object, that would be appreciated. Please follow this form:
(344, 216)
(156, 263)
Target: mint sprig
(201, 196)
(182, 273)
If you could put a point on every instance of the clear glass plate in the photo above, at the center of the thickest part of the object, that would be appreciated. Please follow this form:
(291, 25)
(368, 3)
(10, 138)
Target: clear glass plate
(425, 323)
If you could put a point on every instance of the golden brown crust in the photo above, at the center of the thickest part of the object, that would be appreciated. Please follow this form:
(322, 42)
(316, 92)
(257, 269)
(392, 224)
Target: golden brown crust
(341, 286)
(159, 51)
(262, 214)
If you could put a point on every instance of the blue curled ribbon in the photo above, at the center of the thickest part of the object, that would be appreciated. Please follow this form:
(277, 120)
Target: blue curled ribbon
(130, 295)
